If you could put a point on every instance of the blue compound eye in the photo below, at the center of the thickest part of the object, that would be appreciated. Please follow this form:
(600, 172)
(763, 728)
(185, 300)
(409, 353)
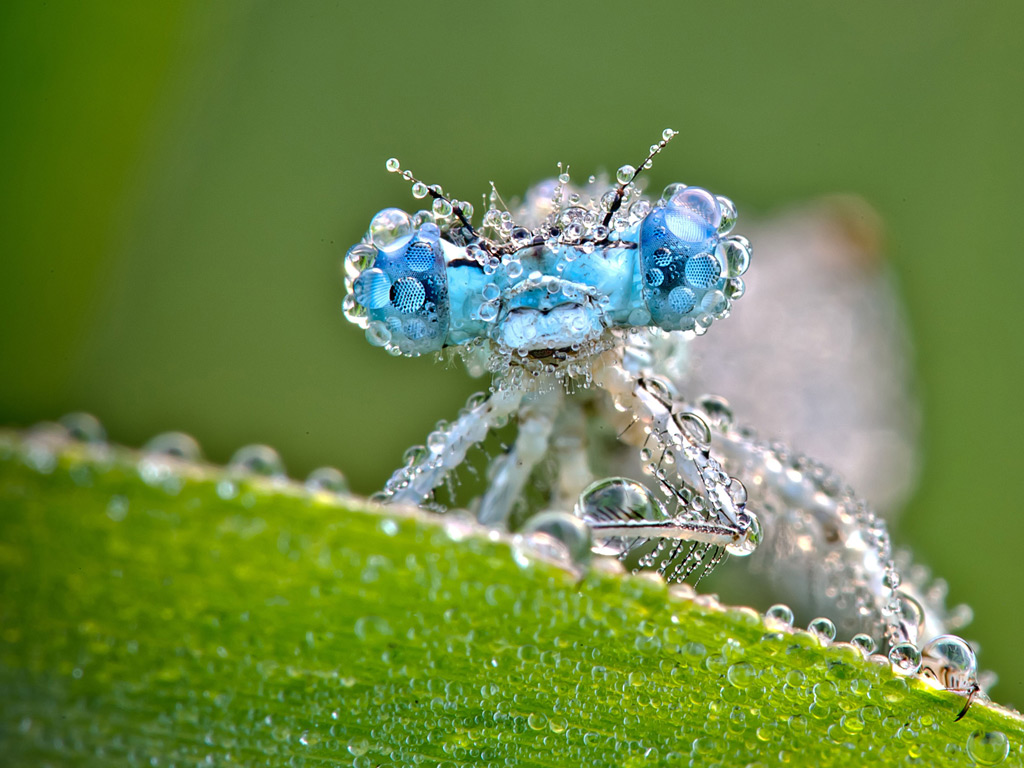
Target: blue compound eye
(405, 293)
(678, 260)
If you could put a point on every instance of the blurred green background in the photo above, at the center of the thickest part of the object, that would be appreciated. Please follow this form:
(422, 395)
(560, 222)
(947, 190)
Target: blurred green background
(180, 181)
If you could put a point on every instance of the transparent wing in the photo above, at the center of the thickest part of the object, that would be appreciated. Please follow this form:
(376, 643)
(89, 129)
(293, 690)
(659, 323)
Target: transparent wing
(818, 354)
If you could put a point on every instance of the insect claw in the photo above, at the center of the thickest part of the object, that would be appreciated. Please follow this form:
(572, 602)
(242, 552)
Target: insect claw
(974, 691)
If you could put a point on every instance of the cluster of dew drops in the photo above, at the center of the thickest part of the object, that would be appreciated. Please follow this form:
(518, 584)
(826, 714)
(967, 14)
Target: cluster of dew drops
(163, 461)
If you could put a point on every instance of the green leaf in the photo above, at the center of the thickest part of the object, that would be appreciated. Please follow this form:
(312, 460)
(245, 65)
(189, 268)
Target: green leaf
(170, 613)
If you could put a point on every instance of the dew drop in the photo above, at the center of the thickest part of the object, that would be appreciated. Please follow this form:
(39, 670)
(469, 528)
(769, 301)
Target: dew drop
(392, 165)
(389, 225)
(358, 746)
(371, 627)
(258, 460)
(83, 427)
(952, 661)
(442, 208)
(566, 528)
(625, 174)
(175, 444)
(748, 544)
(617, 498)
(781, 614)
(741, 674)
(988, 747)
(823, 628)
(327, 479)
(905, 658)
(866, 643)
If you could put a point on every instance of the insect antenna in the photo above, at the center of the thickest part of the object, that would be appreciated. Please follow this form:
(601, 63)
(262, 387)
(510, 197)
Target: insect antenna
(620, 191)
(436, 193)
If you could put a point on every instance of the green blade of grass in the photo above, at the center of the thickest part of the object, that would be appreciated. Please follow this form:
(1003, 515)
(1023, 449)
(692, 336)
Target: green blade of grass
(177, 617)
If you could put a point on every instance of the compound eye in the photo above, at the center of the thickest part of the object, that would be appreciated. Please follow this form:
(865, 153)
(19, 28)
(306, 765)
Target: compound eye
(680, 265)
(405, 294)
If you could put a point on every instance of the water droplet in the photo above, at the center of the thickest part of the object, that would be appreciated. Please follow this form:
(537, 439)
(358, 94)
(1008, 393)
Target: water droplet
(851, 723)
(951, 660)
(175, 444)
(823, 628)
(117, 508)
(988, 747)
(729, 215)
(537, 720)
(735, 254)
(866, 643)
(905, 658)
(781, 614)
(389, 225)
(327, 479)
(419, 190)
(742, 674)
(358, 746)
(617, 498)
(566, 528)
(694, 427)
(371, 627)
(442, 208)
(83, 427)
(625, 174)
(377, 334)
(748, 544)
(825, 692)
(910, 615)
(258, 460)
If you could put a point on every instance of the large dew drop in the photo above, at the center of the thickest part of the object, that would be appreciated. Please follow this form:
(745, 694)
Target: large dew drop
(988, 747)
(615, 499)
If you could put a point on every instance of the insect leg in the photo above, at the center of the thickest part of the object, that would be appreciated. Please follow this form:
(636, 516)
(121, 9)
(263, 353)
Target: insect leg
(569, 445)
(651, 407)
(508, 474)
(446, 448)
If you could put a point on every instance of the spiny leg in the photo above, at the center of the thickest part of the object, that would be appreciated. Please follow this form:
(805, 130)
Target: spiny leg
(651, 408)
(446, 448)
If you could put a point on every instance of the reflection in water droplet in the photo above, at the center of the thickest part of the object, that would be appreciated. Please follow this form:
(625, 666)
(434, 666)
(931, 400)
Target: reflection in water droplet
(617, 498)
(566, 528)
(988, 747)
(952, 660)
(176, 444)
(866, 643)
(258, 460)
(748, 544)
(84, 427)
(327, 479)
(905, 658)
(781, 614)
(823, 628)
(741, 675)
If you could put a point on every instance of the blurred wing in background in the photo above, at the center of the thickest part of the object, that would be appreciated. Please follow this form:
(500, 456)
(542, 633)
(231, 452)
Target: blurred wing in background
(818, 353)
